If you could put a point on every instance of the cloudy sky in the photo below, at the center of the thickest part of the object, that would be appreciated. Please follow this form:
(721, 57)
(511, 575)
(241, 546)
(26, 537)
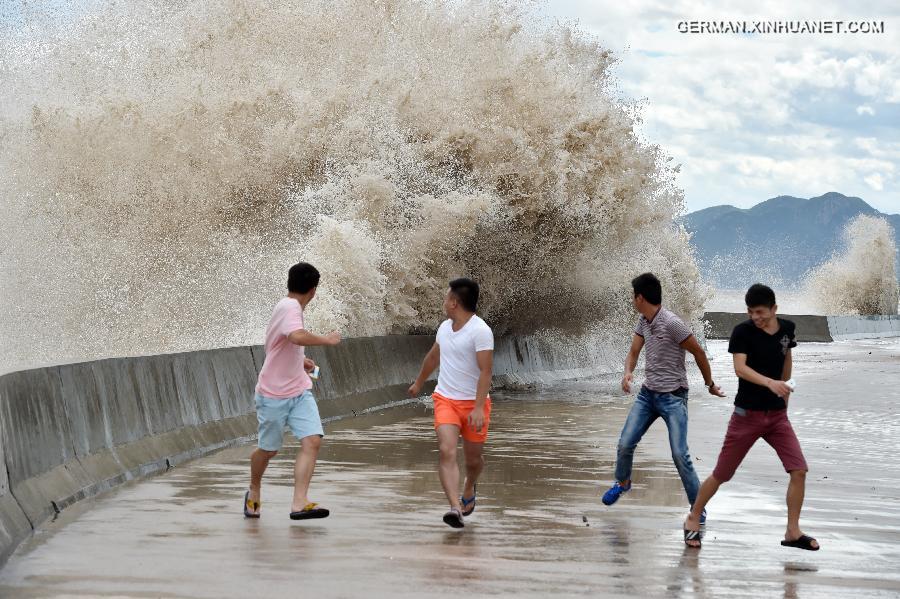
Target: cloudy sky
(750, 117)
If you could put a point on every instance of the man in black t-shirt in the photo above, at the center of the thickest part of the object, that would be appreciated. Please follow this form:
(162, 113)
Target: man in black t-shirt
(761, 348)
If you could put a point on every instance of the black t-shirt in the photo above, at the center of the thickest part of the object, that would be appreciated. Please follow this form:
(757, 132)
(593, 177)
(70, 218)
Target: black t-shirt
(765, 354)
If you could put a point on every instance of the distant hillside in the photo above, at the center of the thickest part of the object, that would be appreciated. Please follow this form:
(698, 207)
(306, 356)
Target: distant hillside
(776, 241)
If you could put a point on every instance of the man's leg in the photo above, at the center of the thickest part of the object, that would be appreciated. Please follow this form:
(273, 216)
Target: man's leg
(473, 447)
(743, 431)
(303, 470)
(474, 466)
(673, 409)
(795, 493)
(259, 461)
(448, 470)
(271, 417)
(306, 424)
(783, 439)
(639, 420)
(709, 488)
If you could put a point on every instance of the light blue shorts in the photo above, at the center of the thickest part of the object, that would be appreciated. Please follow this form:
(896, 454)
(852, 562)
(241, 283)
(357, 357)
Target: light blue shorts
(299, 413)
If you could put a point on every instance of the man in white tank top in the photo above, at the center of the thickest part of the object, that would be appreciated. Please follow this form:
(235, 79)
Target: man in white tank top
(464, 349)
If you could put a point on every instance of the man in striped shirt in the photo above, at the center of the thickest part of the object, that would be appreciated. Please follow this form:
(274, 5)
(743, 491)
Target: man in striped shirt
(665, 390)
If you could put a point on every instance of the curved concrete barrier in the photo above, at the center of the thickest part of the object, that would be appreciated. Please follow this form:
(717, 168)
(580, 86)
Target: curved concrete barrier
(863, 327)
(814, 328)
(809, 327)
(70, 432)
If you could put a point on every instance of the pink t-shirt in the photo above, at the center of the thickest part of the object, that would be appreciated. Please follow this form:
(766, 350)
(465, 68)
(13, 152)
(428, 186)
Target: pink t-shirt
(282, 375)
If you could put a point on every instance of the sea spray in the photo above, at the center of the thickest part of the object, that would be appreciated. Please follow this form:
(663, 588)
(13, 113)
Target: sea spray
(163, 163)
(862, 278)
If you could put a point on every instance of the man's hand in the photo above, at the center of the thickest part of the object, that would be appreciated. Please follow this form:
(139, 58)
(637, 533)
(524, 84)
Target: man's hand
(626, 382)
(716, 390)
(333, 338)
(476, 418)
(779, 388)
(308, 365)
(414, 389)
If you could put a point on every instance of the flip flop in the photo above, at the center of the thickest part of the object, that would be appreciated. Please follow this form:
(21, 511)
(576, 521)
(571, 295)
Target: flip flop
(804, 542)
(250, 505)
(693, 535)
(465, 502)
(454, 518)
(310, 511)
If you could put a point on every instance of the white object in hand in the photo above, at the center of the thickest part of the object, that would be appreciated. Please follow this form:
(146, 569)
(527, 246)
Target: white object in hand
(314, 375)
(791, 383)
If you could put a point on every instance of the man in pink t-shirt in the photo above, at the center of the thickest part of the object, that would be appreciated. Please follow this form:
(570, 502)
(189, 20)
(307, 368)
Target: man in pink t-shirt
(283, 396)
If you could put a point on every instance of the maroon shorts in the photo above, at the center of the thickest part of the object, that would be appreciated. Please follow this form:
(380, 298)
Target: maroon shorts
(745, 427)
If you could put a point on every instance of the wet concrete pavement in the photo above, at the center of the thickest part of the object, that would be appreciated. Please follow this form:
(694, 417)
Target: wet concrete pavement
(539, 528)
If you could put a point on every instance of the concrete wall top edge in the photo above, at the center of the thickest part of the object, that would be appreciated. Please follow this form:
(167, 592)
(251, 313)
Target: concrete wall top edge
(258, 347)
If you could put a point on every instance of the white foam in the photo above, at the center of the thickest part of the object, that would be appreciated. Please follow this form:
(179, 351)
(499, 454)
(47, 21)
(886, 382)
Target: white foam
(162, 165)
(862, 279)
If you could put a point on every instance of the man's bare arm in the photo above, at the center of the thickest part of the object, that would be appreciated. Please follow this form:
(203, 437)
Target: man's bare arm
(485, 360)
(306, 338)
(788, 366)
(431, 361)
(637, 343)
(692, 345)
(743, 371)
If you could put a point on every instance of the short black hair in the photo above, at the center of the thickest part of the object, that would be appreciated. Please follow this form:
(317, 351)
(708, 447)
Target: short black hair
(648, 286)
(759, 295)
(302, 277)
(466, 291)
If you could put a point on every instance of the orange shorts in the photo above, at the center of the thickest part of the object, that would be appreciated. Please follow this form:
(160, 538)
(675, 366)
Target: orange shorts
(456, 412)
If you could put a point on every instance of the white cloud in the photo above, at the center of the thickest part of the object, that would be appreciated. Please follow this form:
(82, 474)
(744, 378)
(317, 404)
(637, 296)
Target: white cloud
(766, 114)
(889, 151)
(875, 181)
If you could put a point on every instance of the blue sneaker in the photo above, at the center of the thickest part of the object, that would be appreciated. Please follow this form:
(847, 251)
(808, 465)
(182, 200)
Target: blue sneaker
(703, 517)
(615, 491)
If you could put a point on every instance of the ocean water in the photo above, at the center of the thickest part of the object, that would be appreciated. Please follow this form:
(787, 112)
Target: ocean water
(162, 165)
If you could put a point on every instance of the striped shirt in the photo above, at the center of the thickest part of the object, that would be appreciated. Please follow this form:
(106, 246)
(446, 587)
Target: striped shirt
(664, 357)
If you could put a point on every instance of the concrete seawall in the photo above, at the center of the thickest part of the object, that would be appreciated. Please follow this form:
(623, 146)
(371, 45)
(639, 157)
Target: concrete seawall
(814, 328)
(70, 432)
(863, 327)
(809, 328)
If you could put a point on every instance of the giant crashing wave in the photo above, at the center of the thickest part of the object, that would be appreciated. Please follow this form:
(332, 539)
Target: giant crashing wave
(163, 163)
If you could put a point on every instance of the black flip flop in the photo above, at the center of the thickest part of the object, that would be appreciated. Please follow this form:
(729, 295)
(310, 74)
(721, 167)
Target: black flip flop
(465, 502)
(454, 518)
(693, 535)
(312, 510)
(248, 505)
(804, 542)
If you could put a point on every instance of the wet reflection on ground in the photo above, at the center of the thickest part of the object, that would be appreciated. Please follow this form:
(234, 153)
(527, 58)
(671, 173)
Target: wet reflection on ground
(539, 527)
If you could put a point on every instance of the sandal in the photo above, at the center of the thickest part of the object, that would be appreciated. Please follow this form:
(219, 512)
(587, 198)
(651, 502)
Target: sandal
(310, 511)
(804, 542)
(692, 535)
(471, 500)
(454, 518)
(249, 505)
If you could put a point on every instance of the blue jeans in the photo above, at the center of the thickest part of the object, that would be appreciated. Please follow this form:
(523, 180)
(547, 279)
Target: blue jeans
(672, 408)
